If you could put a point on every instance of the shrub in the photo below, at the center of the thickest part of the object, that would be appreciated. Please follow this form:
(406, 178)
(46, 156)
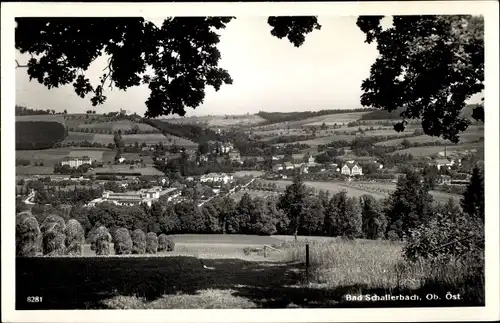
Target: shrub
(101, 241)
(138, 242)
(165, 243)
(54, 236)
(123, 242)
(75, 237)
(151, 243)
(28, 235)
(247, 251)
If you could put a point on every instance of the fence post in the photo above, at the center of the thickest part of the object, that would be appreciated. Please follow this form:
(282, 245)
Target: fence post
(265, 251)
(307, 262)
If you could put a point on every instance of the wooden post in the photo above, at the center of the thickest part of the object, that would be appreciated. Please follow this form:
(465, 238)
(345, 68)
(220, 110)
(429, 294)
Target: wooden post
(307, 255)
(307, 262)
(265, 251)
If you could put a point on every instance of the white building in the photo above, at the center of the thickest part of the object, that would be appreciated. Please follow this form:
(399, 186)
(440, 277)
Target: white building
(444, 163)
(351, 168)
(75, 162)
(214, 177)
(277, 167)
(144, 196)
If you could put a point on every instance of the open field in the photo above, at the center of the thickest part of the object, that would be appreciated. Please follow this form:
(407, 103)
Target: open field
(253, 193)
(333, 187)
(94, 154)
(429, 151)
(358, 189)
(419, 139)
(150, 139)
(79, 136)
(326, 140)
(219, 120)
(149, 170)
(34, 170)
(243, 173)
(331, 119)
(472, 134)
(48, 156)
(178, 279)
(55, 155)
(43, 117)
(117, 125)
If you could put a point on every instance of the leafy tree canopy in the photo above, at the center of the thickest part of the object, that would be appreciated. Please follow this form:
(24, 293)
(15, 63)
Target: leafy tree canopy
(176, 60)
(430, 65)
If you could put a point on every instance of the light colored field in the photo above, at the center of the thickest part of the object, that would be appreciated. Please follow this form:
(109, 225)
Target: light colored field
(473, 134)
(243, 173)
(150, 139)
(126, 169)
(332, 187)
(43, 117)
(220, 120)
(326, 140)
(55, 155)
(253, 194)
(34, 170)
(79, 136)
(334, 118)
(358, 189)
(429, 151)
(47, 155)
(117, 125)
(94, 154)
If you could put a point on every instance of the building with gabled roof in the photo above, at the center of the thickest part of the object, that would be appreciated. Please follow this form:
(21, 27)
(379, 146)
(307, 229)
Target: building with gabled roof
(351, 168)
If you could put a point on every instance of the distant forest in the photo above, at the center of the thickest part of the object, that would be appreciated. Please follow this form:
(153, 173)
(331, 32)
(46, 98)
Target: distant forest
(396, 114)
(187, 131)
(276, 117)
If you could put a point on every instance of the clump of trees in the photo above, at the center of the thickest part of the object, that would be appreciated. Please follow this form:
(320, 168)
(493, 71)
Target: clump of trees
(54, 235)
(165, 243)
(138, 242)
(75, 238)
(151, 243)
(122, 242)
(28, 235)
(101, 242)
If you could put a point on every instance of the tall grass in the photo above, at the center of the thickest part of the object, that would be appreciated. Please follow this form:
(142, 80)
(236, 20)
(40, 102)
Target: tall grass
(368, 265)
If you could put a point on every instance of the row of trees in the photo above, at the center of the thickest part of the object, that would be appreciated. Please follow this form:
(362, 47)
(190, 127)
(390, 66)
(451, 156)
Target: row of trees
(276, 117)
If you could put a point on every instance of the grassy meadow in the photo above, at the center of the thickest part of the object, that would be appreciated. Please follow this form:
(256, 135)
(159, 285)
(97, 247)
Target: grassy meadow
(232, 278)
(358, 189)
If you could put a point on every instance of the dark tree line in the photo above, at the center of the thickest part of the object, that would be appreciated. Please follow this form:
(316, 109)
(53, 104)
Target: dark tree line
(277, 117)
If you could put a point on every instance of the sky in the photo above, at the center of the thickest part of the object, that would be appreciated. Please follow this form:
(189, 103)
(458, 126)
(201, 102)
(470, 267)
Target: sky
(269, 74)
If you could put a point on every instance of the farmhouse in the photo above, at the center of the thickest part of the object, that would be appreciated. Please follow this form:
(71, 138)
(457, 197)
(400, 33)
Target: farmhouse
(445, 179)
(141, 197)
(277, 167)
(76, 161)
(214, 177)
(444, 163)
(351, 169)
(234, 155)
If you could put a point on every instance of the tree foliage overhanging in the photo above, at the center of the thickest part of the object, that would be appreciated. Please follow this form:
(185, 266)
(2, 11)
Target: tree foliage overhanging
(181, 53)
(430, 65)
